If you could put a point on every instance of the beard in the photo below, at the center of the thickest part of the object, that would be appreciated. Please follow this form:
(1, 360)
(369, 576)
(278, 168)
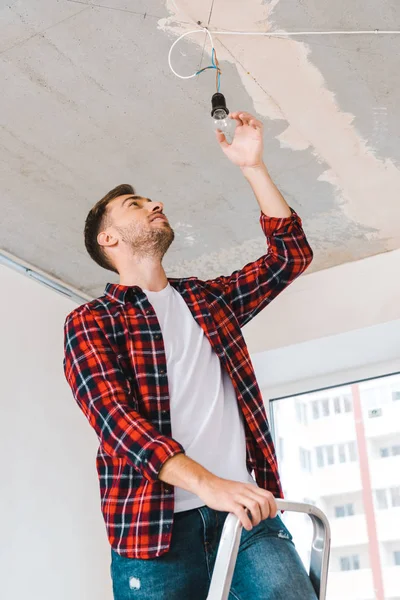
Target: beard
(151, 242)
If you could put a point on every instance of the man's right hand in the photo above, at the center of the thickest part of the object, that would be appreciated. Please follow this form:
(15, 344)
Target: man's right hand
(220, 494)
(238, 498)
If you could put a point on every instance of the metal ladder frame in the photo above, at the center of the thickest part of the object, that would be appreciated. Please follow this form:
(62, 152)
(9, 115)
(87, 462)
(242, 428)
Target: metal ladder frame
(229, 547)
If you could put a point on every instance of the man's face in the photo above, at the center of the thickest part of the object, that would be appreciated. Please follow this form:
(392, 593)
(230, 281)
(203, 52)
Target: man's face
(140, 225)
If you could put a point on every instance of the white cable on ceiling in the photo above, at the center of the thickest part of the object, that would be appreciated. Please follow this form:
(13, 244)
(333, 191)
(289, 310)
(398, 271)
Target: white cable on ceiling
(281, 34)
(293, 33)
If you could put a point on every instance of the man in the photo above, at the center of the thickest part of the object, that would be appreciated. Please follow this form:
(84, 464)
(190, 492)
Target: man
(160, 369)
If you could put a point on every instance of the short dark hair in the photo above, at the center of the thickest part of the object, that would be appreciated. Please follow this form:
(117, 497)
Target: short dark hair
(99, 219)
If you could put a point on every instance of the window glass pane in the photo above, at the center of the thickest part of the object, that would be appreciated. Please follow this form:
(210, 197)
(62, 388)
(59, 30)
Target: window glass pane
(339, 511)
(396, 395)
(344, 563)
(315, 409)
(396, 556)
(348, 403)
(349, 510)
(320, 456)
(336, 404)
(329, 455)
(325, 407)
(384, 452)
(395, 450)
(356, 562)
(352, 451)
(395, 496)
(381, 499)
(342, 453)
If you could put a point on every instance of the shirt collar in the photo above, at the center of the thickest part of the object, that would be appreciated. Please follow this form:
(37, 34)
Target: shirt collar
(122, 293)
(118, 292)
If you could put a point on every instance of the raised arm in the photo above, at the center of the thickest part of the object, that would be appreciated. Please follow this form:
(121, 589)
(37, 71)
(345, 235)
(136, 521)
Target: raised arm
(251, 288)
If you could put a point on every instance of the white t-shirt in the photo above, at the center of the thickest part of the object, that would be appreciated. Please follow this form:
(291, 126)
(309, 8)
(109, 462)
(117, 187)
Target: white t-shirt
(205, 416)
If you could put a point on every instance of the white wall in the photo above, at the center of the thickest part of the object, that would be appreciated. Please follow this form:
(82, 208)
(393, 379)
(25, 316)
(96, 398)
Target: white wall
(53, 544)
(348, 297)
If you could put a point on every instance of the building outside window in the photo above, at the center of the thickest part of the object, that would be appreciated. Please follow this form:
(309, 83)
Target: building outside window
(350, 563)
(344, 510)
(352, 430)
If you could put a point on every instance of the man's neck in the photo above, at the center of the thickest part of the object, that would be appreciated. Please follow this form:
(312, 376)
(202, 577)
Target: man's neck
(147, 274)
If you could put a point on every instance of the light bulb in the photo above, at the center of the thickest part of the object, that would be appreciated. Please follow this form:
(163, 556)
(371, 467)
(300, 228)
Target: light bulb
(220, 115)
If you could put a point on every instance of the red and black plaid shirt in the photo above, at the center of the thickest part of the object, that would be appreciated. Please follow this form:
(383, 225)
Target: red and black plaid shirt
(116, 366)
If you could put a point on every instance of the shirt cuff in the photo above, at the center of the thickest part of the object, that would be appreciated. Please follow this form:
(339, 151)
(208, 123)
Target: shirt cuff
(273, 225)
(155, 454)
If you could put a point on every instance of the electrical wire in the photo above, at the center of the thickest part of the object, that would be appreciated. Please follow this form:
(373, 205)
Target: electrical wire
(294, 33)
(281, 34)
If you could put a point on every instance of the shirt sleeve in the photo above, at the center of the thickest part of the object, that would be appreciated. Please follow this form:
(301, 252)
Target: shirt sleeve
(251, 288)
(102, 391)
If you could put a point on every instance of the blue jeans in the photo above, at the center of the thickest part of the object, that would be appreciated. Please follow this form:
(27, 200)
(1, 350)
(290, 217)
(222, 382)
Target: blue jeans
(267, 568)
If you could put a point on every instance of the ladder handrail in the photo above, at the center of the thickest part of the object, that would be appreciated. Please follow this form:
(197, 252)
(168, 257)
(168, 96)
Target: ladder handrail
(229, 546)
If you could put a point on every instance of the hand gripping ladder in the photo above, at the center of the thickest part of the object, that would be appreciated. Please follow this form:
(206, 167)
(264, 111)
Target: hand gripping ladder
(229, 546)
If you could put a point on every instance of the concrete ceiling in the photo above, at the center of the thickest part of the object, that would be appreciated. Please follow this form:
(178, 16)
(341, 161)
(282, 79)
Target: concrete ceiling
(88, 102)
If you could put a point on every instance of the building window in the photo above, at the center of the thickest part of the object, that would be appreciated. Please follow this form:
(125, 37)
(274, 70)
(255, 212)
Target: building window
(352, 451)
(320, 456)
(381, 499)
(325, 407)
(395, 495)
(396, 395)
(396, 556)
(305, 459)
(342, 453)
(301, 412)
(315, 409)
(344, 510)
(391, 451)
(350, 563)
(348, 403)
(329, 455)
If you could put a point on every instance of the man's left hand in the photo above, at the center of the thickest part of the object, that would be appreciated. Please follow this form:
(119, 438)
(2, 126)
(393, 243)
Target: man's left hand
(246, 149)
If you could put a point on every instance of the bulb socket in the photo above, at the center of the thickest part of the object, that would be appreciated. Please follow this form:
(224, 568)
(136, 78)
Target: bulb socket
(218, 102)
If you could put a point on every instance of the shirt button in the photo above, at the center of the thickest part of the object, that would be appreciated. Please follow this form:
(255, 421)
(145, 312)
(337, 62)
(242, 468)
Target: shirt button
(148, 312)
(157, 336)
(168, 489)
(162, 371)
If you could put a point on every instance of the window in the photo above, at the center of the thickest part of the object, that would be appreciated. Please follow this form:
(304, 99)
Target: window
(329, 454)
(336, 404)
(396, 556)
(305, 459)
(381, 499)
(344, 510)
(352, 451)
(325, 407)
(315, 409)
(342, 453)
(349, 563)
(391, 451)
(301, 412)
(395, 496)
(396, 395)
(348, 403)
(320, 456)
